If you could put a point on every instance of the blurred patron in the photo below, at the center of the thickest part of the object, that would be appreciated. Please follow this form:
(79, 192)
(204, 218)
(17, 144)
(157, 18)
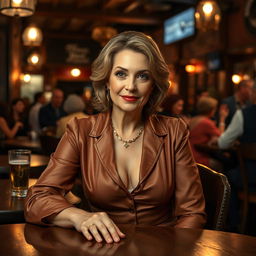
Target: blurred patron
(53, 111)
(172, 105)
(74, 107)
(39, 101)
(5, 130)
(18, 115)
(242, 128)
(239, 100)
(199, 93)
(203, 130)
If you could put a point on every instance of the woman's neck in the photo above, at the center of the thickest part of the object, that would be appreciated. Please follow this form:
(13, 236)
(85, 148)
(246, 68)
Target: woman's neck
(126, 123)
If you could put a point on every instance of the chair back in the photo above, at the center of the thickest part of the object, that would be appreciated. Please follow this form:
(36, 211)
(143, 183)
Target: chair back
(216, 190)
(48, 143)
(245, 151)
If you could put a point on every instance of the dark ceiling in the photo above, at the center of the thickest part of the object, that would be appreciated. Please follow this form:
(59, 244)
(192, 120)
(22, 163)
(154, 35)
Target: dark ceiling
(78, 17)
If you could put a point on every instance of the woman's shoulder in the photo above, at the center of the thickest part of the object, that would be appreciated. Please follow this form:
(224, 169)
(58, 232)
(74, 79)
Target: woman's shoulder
(88, 122)
(167, 123)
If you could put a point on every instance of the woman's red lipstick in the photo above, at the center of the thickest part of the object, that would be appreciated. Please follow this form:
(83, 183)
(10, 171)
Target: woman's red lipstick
(130, 98)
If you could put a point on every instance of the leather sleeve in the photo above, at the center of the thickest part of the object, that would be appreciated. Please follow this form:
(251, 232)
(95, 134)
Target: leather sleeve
(46, 197)
(189, 198)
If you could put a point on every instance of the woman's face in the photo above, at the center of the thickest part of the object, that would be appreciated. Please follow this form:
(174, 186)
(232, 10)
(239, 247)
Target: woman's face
(177, 108)
(130, 82)
(19, 107)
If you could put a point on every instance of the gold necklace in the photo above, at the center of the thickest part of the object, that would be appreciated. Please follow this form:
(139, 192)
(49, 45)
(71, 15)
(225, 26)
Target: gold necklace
(127, 142)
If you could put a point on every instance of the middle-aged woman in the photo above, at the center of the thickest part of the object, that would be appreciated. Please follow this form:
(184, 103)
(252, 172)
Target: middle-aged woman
(136, 167)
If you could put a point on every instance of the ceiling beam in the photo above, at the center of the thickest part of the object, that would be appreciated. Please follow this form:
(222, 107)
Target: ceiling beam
(102, 16)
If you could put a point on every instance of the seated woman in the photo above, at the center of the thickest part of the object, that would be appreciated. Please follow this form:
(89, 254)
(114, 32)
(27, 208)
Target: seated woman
(203, 129)
(18, 114)
(5, 130)
(136, 167)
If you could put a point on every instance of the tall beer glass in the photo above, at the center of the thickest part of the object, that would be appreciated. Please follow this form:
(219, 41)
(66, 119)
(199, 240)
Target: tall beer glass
(19, 161)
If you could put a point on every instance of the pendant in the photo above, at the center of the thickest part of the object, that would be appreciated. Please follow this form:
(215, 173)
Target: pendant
(126, 145)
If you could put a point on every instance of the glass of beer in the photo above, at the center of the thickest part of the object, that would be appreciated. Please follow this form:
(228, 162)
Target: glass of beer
(19, 161)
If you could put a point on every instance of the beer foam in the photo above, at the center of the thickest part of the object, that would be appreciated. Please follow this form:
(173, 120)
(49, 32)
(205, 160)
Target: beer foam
(19, 162)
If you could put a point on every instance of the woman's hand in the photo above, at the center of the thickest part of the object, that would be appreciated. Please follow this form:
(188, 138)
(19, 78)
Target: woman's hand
(19, 124)
(93, 225)
(98, 225)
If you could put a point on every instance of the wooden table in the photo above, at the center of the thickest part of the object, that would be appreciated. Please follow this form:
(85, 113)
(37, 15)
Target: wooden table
(11, 208)
(23, 142)
(28, 239)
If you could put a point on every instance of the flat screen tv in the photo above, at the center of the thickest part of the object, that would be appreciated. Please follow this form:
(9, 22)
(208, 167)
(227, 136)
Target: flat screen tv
(180, 26)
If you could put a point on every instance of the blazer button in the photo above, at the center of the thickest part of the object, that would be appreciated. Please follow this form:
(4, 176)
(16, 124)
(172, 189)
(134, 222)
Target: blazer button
(131, 210)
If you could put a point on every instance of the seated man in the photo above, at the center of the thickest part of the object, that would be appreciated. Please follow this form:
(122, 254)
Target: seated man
(240, 100)
(52, 112)
(242, 127)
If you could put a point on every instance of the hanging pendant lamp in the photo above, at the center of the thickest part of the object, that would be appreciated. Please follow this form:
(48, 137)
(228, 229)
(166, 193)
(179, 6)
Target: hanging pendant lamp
(20, 8)
(208, 15)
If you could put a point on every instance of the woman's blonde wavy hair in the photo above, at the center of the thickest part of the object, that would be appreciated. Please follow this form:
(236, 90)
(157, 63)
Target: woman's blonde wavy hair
(102, 66)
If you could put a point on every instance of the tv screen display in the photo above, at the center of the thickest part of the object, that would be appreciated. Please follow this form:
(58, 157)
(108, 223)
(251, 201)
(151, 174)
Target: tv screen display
(180, 26)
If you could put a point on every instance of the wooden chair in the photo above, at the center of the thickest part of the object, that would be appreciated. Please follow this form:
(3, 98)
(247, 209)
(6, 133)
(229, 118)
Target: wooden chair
(245, 151)
(217, 195)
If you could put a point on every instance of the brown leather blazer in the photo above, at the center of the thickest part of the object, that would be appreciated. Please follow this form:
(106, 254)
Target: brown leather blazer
(169, 191)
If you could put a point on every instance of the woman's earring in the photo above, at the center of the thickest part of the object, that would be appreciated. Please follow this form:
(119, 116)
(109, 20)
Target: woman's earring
(107, 94)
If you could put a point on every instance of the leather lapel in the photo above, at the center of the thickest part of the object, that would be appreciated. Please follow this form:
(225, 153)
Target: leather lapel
(105, 150)
(152, 145)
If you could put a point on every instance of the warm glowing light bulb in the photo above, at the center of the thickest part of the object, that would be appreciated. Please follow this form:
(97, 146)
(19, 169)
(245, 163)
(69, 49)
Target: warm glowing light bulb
(207, 8)
(26, 78)
(190, 68)
(236, 79)
(17, 1)
(35, 59)
(75, 72)
(32, 34)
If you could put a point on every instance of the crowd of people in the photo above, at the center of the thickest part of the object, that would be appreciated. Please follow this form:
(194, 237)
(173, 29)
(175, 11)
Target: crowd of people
(220, 126)
(21, 119)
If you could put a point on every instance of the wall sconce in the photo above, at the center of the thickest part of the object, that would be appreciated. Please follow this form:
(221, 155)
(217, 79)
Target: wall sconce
(34, 59)
(20, 8)
(75, 72)
(208, 15)
(26, 78)
(32, 36)
(190, 68)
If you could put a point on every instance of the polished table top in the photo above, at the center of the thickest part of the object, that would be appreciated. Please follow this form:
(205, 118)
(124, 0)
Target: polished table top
(7, 202)
(22, 142)
(11, 208)
(28, 239)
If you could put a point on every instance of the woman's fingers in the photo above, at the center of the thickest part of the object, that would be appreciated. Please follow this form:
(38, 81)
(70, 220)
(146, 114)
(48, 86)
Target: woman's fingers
(120, 233)
(86, 233)
(99, 226)
(111, 228)
(94, 231)
(105, 232)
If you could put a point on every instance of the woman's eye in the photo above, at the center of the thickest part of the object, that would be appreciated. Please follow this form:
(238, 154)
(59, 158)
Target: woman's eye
(143, 76)
(120, 74)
